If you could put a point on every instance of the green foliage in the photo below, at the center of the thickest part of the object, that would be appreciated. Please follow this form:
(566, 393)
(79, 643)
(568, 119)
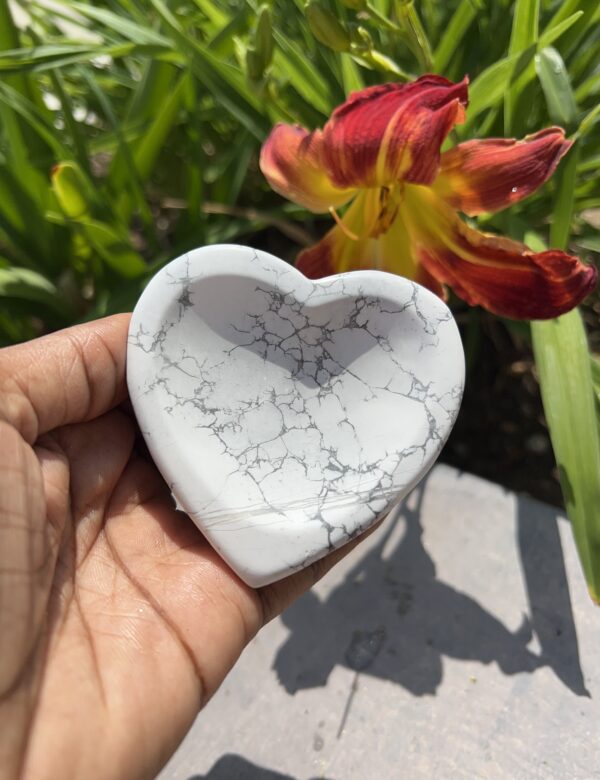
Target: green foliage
(130, 132)
(563, 363)
(568, 385)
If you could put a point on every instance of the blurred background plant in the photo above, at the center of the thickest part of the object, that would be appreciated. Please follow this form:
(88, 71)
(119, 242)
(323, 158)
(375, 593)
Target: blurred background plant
(130, 132)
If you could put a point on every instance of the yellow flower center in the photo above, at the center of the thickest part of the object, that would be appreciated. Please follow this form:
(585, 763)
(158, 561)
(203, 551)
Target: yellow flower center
(379, 210)
(390, 199)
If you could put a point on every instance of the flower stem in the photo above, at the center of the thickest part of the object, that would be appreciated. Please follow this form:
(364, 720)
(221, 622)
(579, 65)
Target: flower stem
(416, 37)
(382, 19)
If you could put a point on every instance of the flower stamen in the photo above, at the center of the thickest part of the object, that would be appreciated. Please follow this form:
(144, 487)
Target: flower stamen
(344, 228)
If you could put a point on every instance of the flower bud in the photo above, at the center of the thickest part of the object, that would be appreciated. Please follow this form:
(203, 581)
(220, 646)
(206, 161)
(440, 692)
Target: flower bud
(326, 28)
(254, 65)
(263, 37)
(71, 189)
(364, 38)
(384, 63)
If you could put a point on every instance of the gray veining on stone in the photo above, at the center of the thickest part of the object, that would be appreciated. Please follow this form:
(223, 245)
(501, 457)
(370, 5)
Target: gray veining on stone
(288, 415)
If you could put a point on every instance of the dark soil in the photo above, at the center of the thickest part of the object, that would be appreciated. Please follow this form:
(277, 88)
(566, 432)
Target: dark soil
(501, 432)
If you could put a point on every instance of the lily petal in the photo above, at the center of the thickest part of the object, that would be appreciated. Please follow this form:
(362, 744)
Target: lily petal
(497, 273)
(489, 175)
(392, 132)
(290, 159)
(337, 252)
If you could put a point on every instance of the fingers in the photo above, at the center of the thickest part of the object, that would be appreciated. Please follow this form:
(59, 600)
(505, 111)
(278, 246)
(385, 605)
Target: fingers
(25, 555)
(141, 484)
(71, 376)
(98, 452)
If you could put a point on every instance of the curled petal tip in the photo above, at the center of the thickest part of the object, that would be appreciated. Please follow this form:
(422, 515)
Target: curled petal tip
(489, 175)
(497, 273)
(290, 160)
(570, 279)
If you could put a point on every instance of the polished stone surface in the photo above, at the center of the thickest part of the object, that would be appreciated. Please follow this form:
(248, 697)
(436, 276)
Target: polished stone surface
(458, 641)
(288, 415)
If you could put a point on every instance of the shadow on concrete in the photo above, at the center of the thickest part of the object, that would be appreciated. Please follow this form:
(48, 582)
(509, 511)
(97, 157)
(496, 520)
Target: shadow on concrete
(232, 767)
(392, 618)
(547, 588)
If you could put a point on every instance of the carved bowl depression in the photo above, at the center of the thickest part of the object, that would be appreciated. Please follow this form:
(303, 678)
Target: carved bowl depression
(288, 415)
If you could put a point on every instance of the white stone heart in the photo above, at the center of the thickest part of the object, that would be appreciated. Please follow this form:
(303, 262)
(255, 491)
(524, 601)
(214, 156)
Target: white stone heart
(287, 415)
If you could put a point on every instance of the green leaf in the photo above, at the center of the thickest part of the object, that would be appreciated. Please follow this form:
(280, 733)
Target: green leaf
(24, 196)
(590, 13)
(595, 369)
(27, 285)
(34, 118)
(523, 36)
(588, 121)
(213, 12)
(554, 78)
(292, 61)
(456, 29)
(489, 87)
(43, 58)
(591, 163)
(149, 95)
(20, 59)
(120, 299)
(126, 28)
(415, 35)
(146, 151)
(24, 143)
(134, 182)
(76, 131)
(553, 32)
(592, 243)
(162, 97)
(565, 9)
(351, 76)
(224, 36)
(113, 248)
(591, 86)
(563, 363)
(525, 25)
(145, 105)
(566, 176)
(225, 82)
(588, 203)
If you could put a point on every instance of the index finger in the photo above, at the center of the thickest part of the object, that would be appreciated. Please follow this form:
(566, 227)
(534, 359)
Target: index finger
(70, 376)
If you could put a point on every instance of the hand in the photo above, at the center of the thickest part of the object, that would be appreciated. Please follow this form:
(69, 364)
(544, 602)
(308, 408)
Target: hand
(117, 620)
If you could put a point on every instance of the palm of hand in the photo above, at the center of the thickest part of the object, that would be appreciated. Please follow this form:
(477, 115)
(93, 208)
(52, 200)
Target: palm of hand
(123, 621)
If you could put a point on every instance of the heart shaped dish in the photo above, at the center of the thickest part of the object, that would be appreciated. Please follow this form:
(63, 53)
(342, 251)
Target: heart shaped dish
(288, 415)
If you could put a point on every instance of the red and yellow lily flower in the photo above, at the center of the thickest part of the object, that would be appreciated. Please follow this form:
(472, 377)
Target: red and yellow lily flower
(380, 153)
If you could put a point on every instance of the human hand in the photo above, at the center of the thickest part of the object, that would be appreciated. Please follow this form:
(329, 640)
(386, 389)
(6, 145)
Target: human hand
(117, 619)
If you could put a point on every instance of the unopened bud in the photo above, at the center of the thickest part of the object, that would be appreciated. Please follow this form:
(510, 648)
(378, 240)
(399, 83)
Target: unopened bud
(254, 65)
(384, 63)
(326, 28)
(263, 37)
(364, 38)
(70, 187)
